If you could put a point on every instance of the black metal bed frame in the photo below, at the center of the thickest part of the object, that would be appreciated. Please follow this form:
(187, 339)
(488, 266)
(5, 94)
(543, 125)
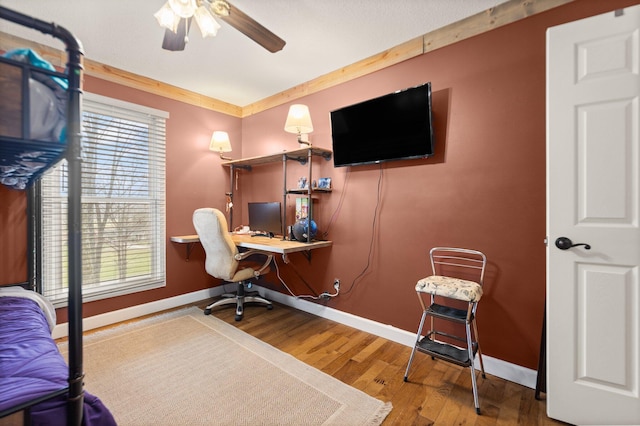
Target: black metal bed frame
(73, 74)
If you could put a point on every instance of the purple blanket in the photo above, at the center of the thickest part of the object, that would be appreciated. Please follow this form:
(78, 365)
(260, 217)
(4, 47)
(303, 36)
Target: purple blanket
(31, 366)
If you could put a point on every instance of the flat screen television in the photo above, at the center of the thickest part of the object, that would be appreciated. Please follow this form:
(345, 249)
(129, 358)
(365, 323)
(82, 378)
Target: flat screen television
(265, 217)
(396, 126)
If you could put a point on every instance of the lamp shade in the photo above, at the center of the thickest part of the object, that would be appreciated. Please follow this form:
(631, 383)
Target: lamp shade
(220, 142)
(298, 120)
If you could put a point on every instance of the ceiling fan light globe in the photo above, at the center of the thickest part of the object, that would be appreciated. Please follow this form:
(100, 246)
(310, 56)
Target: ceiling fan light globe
(167, 18)
(176, 16)
(183, 8)
(208, 25)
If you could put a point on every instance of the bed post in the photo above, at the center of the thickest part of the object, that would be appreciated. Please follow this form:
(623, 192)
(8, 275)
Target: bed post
(74, 216)
(74, 159)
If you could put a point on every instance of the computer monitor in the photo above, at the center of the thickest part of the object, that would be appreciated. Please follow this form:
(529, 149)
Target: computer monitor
(265, 217)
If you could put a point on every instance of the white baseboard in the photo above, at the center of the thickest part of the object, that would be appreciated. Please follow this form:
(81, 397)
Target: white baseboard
(497, 367)
(114, 317)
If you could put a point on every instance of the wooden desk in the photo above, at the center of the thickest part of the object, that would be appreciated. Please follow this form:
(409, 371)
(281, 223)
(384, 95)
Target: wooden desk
(273, 245)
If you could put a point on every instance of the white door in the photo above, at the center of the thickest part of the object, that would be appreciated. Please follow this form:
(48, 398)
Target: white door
(593, 197)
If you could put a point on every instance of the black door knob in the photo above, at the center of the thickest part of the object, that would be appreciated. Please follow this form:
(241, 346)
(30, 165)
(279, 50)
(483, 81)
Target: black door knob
(564, 243)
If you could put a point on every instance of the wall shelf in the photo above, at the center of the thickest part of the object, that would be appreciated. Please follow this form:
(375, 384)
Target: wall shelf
(305, 190)
(302, 155)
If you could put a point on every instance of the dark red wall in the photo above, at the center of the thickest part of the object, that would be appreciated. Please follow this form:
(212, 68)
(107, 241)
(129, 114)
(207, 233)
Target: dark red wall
(194, 179)
(484, 188)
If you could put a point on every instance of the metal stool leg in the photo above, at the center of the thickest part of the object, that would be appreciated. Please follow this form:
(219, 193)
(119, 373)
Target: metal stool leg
(457, 274)
(413, 351)
(475, 333)
(472, 368)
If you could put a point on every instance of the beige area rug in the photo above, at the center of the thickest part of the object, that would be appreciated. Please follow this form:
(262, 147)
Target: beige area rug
(185, 368)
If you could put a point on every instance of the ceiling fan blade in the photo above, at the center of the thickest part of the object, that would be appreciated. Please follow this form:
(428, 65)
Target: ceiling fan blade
(252, 29)
(176, 41)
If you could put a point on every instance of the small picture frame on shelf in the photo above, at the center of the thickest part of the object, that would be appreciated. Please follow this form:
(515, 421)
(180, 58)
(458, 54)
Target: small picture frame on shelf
(324, 183)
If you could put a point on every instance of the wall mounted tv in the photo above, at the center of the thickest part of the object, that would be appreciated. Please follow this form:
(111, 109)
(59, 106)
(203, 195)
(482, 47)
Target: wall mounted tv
(396, 126)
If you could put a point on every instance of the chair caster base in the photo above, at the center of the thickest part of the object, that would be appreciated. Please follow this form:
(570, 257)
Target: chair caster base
(207, 311)
(239, 317)
(269, 307)
(405, 379)
(478, 411)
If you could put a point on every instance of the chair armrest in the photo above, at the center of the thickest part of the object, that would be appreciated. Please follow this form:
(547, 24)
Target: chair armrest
(251, 252)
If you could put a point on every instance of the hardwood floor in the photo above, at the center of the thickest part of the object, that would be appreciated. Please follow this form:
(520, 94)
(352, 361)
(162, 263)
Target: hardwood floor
(437, 393)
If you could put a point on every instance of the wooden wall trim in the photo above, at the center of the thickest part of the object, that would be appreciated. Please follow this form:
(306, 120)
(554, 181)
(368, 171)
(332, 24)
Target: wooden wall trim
(407, 50)
(506, 13)
(496, 17)
(479, 23)
(155, 87)
(96, 69)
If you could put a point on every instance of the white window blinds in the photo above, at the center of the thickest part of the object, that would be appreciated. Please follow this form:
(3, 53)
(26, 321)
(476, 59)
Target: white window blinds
(123, 204)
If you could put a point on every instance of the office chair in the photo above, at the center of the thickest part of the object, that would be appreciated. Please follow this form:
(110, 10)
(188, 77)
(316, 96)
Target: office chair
(223, 260)
(457, 282)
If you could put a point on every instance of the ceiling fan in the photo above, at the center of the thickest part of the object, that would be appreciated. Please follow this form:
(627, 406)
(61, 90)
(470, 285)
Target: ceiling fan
(177, 17)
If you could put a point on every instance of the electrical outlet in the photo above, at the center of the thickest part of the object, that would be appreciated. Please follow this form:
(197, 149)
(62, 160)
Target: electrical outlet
(325, 296)
(336, 284)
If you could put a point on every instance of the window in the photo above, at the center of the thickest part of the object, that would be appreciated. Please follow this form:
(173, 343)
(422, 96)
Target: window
(123, 204)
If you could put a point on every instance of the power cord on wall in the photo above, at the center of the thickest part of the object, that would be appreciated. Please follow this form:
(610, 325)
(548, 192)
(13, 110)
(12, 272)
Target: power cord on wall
(339, 206)
(322, 296)
(336, 284)
(373, 229)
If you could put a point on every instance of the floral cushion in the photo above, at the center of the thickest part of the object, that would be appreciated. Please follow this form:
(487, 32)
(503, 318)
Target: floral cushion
(454, 288)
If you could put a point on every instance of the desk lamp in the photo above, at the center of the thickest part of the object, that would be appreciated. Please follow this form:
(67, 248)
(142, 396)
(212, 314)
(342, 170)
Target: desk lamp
(299, 121)
(220, 143)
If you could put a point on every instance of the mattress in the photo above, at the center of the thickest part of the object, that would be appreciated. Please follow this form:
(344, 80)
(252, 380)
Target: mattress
(31, 366)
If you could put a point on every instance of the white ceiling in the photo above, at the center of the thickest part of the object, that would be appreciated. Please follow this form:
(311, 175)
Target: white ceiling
(322, 36)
